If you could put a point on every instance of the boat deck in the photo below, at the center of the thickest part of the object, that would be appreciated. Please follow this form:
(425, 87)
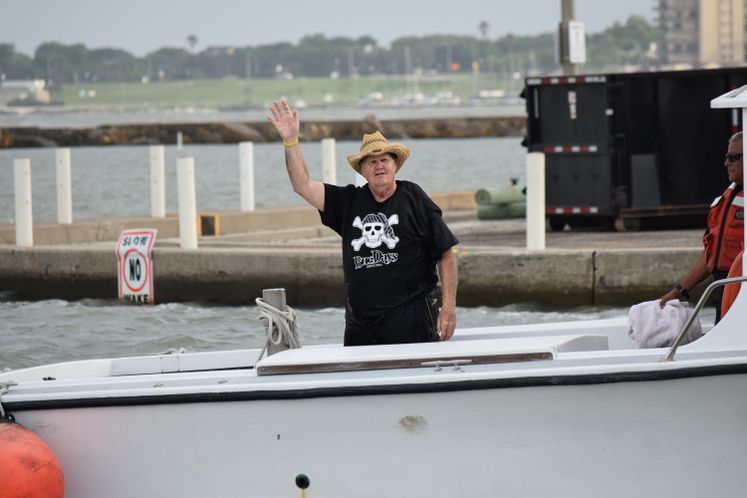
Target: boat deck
(478, 355)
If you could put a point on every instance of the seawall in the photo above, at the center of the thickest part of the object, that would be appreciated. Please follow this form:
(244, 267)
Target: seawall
(289, 248)
(312, 276)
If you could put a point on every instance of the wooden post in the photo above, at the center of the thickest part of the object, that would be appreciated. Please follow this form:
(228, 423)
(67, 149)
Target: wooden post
(567, 13)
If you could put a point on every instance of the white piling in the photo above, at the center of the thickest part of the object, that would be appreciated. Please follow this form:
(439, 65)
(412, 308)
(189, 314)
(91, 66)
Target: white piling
(360, 180)
(535, 201)
(157, 181)
(24, 220)
(246, 175)
(64, 187)
(329, 161)
(185, 176)
(179, 140)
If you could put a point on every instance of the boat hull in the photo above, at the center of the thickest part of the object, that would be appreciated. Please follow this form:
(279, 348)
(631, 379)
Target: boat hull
(682, 437)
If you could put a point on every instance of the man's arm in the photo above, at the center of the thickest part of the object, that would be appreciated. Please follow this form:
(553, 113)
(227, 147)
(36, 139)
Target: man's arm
(311, 190)
(288, 126)
(697, 273)
(447, 272)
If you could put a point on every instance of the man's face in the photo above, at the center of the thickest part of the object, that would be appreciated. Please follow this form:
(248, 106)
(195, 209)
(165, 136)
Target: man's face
(735, 168)
(379, 170)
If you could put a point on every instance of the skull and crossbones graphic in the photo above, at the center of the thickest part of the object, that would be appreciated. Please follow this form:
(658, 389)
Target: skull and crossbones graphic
(376, 229)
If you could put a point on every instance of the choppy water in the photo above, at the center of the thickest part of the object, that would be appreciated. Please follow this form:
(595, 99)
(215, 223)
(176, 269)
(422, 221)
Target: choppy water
(114, 181)
(36, 333)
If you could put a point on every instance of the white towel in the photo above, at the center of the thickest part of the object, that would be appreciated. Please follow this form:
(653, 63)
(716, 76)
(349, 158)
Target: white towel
(652, 326)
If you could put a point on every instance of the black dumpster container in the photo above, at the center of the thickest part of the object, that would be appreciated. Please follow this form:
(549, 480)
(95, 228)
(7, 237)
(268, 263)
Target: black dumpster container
(631, 148)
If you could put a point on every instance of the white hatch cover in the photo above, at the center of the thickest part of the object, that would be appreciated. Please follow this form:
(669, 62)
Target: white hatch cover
(394, 356)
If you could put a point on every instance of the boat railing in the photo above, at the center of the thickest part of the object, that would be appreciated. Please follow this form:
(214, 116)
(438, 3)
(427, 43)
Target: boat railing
(701, 302)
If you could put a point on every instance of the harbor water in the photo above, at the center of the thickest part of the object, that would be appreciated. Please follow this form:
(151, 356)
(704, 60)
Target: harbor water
(114, 181)
(36, 333)
(86, 117)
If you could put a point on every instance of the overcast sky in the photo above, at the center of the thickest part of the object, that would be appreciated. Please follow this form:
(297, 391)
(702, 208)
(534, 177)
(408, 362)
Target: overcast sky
(141, 26)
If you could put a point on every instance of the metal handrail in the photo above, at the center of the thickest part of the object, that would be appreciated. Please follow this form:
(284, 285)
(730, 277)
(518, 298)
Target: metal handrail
(701, 302)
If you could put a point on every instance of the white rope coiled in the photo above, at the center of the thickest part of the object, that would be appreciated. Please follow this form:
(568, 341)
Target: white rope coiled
(282, 327)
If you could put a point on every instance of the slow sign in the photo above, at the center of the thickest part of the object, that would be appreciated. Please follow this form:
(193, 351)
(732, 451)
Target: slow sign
(135, 266)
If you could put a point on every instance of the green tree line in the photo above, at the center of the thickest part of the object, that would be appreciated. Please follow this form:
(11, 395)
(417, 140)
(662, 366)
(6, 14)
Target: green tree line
(318, 56)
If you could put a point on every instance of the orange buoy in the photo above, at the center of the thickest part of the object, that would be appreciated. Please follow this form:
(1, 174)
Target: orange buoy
(731, 290)
(28, 468)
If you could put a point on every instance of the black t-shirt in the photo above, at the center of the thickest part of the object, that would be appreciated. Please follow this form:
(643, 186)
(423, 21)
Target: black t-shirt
(389, 249)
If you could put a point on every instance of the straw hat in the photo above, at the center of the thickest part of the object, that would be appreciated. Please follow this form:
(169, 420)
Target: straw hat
(374, 144)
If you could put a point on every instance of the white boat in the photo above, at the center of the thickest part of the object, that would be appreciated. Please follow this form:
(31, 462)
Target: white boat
(565, 409)
(555, 410)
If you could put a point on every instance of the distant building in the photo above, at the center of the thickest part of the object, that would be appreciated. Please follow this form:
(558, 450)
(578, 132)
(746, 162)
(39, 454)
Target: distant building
(219, 51)
(702, 32)
(23, 92)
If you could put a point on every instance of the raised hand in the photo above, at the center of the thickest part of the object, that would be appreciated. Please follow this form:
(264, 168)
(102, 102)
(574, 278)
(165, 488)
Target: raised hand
(285, 120)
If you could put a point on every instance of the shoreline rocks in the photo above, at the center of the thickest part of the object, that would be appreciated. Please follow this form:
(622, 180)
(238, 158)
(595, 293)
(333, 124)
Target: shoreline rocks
(258, 132)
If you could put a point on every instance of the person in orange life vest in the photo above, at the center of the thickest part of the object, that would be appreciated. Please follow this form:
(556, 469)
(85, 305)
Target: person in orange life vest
(393, 240)
(724, 235)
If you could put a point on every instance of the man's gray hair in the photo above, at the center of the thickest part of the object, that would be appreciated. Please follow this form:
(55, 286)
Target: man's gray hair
(737, 137)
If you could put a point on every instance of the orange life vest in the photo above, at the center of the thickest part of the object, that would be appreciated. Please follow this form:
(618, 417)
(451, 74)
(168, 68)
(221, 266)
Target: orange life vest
(731, 290)
(724, 237)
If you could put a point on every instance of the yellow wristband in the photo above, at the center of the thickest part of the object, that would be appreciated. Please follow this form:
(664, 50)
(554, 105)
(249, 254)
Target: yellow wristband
(290, 144)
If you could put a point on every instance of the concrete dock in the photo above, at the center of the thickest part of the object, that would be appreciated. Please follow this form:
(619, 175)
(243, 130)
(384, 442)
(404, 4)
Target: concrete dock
(289, 248)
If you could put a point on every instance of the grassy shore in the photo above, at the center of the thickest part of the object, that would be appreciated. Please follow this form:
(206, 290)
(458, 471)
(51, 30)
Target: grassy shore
(259, 92)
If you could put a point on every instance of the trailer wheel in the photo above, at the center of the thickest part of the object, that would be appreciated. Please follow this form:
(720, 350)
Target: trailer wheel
(557, 224)
(627, 224)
